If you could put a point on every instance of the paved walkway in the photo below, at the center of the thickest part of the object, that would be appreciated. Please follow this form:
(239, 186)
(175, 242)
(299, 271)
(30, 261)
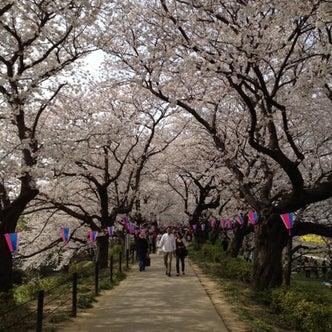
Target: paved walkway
(152, 301)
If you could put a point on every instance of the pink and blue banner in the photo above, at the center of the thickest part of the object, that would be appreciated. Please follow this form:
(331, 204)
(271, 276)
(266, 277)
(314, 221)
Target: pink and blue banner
(65, 234)
(93, 236)
(239, 219)
(253, 217)
(226, 223)
(131, 228)
(110, 230)
(288, 219)
(202, 227)
(229, 224)
(12, 241)
(213, 224)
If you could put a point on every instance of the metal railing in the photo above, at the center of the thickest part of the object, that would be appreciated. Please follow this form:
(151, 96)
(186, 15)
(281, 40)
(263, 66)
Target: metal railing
(61, 300)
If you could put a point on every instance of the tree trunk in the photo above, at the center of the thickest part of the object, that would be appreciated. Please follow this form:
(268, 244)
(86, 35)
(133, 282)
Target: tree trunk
(6, 264)
(270, 239)
(236, 242)
(8, 222)
(103, 244)
(288, 268)
(214, 236)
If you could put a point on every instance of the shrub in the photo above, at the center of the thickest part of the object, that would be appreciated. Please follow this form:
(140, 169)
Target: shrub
(224, 266)
(27, 292)
(115, 250)
(83, 268)
(85, 302)
(30, 290)
(300, 310)
(18, 276)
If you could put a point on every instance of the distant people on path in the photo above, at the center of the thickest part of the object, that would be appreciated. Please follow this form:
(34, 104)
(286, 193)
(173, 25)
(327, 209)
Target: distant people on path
(324, 270)
(180, 252)
(188, 236)
(154, 242)
(248, 256)
(307, 267)
(151, 242)
(314, 268)
(167, 244)
(142, 247)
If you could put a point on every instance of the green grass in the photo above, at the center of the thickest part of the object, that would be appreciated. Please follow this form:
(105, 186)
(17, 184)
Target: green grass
(256, 307)
(58, 287)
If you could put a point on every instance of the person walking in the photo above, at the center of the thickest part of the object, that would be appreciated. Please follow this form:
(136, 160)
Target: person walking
(142, 247)
(180, 252)
(167, 244)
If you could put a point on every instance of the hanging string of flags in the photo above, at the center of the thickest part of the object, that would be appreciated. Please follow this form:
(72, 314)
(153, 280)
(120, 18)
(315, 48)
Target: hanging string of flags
(226, 223)
(12, 239)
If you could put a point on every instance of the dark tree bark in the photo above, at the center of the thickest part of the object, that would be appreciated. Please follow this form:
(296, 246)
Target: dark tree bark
(6, 266)
(271, 237)
(9, 217)
(288, 267)
(103, 245)
(236, 242)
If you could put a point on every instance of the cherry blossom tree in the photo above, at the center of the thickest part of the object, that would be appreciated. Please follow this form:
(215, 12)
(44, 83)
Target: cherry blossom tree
(98, 154)
(265, 64)
(39, 40)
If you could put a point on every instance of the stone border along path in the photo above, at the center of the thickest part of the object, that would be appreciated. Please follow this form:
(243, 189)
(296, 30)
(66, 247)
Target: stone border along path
(151, 301)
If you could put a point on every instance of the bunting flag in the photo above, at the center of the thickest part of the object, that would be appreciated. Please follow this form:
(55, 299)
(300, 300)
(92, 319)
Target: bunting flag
(202, 227)
(229, 224)
(194, 227)
(253, 217)
(126, 223)
(213, 224)
(239, 219)
(288, 219)
(226, 223)
(223, 223)
(125, 220)
(12, 242)
(93, 236)
(110, 230)
(131, 228)
(65, 234)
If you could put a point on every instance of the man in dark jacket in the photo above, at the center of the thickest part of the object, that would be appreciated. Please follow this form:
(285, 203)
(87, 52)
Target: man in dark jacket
(142, 247)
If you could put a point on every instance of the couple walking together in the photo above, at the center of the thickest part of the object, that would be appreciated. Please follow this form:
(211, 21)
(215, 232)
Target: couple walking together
(173, 245)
